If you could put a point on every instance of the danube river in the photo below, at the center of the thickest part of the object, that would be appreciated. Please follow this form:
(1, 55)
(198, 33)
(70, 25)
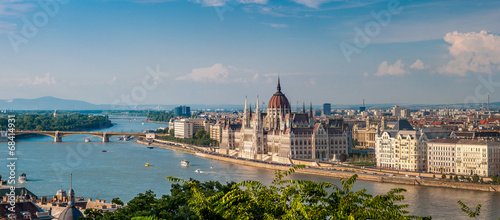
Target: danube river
(120, 172)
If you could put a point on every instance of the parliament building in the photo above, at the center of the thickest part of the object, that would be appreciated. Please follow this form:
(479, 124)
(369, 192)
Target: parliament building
(280, 135)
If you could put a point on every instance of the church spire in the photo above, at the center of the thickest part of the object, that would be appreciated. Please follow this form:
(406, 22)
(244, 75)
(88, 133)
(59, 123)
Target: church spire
(71, 194)
(246, 106)
(311, 110)
(279, 86)
(257, 109)
(303, 107)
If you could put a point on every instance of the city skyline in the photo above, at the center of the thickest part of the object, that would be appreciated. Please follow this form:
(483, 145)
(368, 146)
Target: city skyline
(218, 51)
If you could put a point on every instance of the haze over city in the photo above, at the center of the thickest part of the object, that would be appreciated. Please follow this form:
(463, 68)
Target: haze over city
(218, 51)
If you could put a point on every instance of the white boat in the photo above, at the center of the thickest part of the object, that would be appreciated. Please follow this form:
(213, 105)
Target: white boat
(87, 140)
(197, 171)
(185, 163)
(22, 178)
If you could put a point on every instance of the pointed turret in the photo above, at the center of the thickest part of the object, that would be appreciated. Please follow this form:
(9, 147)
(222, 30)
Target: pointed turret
(71, 195)
(246, 106)
(311, 110)
(303, 107)
(257, 109)
(71, 212)
(279, 86)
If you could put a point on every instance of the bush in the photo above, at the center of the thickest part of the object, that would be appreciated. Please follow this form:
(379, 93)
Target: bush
(475, 178)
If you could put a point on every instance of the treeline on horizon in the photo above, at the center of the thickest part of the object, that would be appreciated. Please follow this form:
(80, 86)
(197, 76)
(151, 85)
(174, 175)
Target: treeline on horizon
(201, 138)
(160, 116)
(283, 199)
(63, 122)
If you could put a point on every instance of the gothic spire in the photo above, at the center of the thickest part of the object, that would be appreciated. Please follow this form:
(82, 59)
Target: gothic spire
(71, 194)
(257, 109)
(311, 110)
(279, 86)
(246, 106)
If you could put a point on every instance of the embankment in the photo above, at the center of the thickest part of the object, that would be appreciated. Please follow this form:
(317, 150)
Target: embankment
(348, 172)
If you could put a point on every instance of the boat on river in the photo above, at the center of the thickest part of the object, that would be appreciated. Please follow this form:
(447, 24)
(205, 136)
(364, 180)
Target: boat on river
(22, 178)
(185, 163)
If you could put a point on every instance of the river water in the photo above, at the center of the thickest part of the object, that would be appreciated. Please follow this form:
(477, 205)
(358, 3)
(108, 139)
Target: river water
(120, 172)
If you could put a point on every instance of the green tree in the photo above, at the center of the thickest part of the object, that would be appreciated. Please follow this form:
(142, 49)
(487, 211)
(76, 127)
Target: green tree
(91, 214)
(200, 134)
(296, 199)
(343, 157)
(494, 179)
(455, 178)
(475, 178)
(355, 142)
(443, 176)
(117, 201)
(471, 213)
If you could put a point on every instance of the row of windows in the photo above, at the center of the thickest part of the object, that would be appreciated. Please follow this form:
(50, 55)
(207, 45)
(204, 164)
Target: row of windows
(442, 158)
(300, 142)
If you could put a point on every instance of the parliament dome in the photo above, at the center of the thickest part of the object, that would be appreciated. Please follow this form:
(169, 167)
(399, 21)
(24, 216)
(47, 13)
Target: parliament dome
(278, 100)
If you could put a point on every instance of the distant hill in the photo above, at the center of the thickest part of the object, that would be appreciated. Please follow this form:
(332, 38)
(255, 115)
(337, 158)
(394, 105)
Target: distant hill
(46, 103)
(52, 103)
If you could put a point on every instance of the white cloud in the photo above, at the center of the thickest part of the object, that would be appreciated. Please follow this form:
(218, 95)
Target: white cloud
(46, 79)
(112, 80)
(472, 52)
(6, 27)
(310, 82)
(219, 73)
(418, 65)
(312, 3)
(219, 3)
(14, 8)
(274, 25)
(394, 70)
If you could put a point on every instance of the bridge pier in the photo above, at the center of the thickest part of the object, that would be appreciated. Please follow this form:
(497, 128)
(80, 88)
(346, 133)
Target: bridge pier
(57, 137)
(105, 137)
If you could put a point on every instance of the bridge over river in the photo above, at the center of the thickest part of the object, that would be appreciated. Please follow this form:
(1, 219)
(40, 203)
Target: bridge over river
(57, 135)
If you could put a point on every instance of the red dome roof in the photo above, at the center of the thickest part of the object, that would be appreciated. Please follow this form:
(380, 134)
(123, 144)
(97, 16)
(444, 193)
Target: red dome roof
(278, 100)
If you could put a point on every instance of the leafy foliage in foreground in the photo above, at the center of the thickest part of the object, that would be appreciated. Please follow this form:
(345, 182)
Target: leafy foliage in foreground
(283, 199)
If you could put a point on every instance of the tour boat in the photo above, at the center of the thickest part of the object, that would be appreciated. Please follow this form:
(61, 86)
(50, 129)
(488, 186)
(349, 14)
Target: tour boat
(87, 140)
(197, 171)
(149, 147)
(22, 178)
(185, 163)
(147, 165)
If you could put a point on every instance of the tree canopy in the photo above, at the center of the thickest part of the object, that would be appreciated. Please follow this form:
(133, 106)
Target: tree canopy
(63, 122)
(283, 199)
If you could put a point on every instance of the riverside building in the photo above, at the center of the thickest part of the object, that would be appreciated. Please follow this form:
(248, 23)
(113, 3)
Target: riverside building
(464, 157)
(278, 135)
(401, 147)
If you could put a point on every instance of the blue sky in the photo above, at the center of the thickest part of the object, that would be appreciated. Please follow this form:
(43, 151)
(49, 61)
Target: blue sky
(219, 51)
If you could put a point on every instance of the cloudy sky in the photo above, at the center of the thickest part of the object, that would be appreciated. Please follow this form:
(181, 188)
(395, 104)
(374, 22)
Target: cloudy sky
(219, 51)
